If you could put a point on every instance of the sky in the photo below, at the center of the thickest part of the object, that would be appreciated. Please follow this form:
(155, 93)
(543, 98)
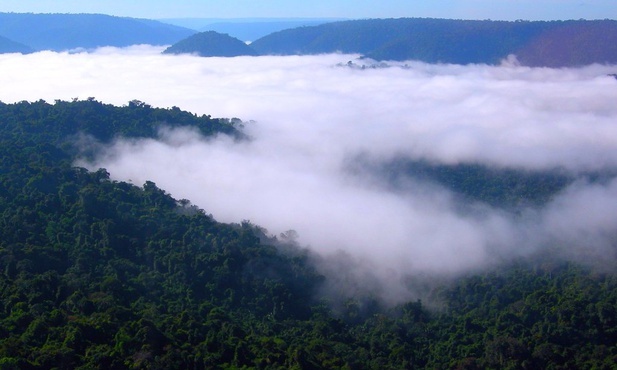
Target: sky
(458, 9)
(311, 119)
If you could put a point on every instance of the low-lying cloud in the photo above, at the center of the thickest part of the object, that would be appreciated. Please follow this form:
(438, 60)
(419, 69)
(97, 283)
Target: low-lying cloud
(312, 117)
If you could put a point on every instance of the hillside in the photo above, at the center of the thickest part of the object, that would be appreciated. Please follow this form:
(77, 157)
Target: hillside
(572, 43)
(101, 274)
(553, 44)
(10, 46)
(70, 31)
(245, 29)
(549, 44)
(253, 30)
(211, 44)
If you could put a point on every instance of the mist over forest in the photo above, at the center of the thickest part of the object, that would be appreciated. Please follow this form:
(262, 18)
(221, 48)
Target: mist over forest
(395, 177)
(315, 125)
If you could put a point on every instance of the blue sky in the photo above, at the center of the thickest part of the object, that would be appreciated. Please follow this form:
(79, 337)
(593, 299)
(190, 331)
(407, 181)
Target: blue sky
(466, 9)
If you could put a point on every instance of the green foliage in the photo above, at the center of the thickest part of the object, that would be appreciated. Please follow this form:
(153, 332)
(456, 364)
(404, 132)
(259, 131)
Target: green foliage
(548, 316)
(499, 187)
(62, 122)
(100, 274)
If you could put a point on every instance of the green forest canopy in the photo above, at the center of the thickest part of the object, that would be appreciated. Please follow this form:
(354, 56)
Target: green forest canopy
(96, 273)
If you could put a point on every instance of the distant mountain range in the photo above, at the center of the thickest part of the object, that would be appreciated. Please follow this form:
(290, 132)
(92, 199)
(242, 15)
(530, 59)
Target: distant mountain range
(10, 46)
(61, 32)
(537, 43)
(547, 44)
(247, 29)
(552, 44)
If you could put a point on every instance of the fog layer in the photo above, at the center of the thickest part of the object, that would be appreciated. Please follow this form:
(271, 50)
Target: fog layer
(312, 116)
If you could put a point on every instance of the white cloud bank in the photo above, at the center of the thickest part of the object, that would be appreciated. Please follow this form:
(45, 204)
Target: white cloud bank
(311, 117)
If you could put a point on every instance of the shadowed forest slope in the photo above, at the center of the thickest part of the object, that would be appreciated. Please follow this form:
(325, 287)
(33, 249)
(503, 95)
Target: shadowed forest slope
(550, 44)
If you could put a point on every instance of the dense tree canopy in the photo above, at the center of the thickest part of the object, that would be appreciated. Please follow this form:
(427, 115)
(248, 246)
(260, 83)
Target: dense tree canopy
(96, 273)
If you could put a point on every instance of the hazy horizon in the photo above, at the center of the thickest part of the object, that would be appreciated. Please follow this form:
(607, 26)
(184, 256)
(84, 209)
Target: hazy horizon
(449, 9)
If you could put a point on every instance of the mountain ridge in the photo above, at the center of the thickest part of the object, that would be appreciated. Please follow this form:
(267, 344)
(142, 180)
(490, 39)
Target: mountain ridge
(60, 32)
(245, 29)
(9, 46)
(554, 44)
(452, 41)
(211, 44)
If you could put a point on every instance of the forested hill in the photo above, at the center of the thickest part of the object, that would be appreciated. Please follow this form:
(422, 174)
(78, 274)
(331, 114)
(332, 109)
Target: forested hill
(253, 29)
(552, 44)
(10, 46)
(61, 32)
(59, 122)
(101, 274)
(211, 44)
